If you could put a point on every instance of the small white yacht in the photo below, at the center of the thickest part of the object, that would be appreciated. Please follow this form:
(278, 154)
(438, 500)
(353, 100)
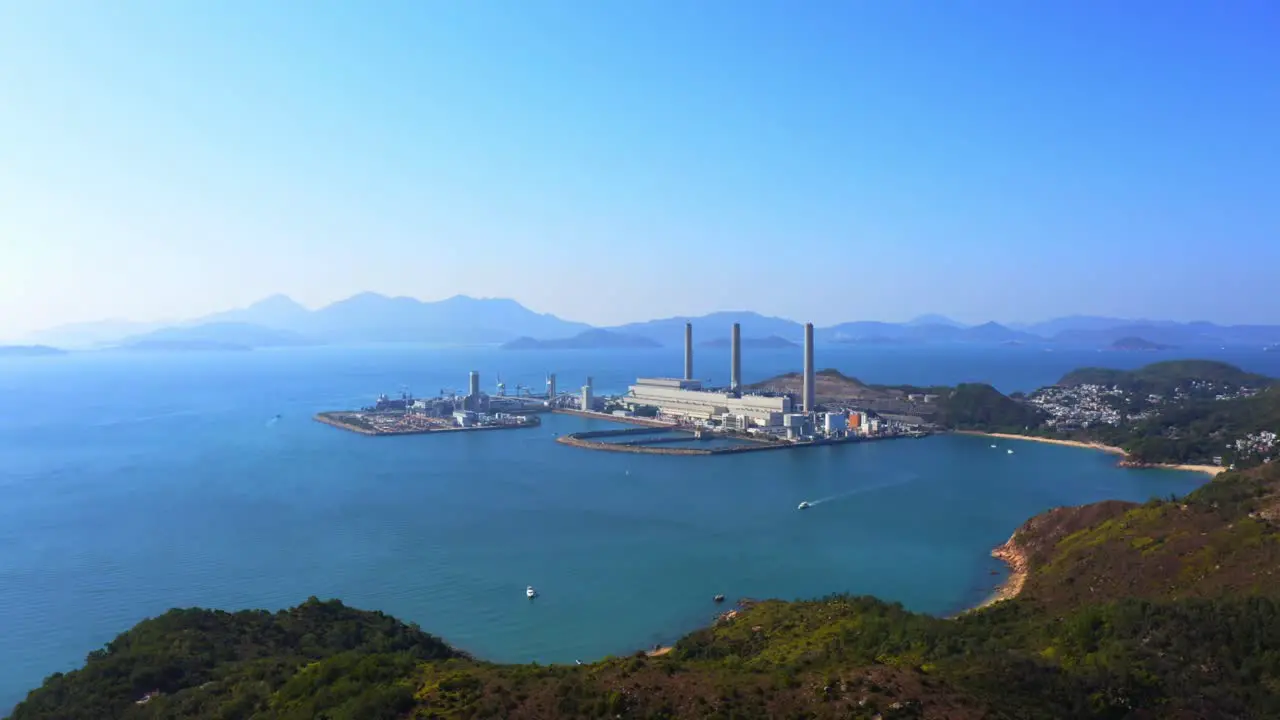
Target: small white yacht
(1009, 451)
(530, 592)
(993, 445)
(803, 505)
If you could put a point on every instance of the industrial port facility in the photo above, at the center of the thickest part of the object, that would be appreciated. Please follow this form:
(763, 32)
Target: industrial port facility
(739, 419)
(684, 401)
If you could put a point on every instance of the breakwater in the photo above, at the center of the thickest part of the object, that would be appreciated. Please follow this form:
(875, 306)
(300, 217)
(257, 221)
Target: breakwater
(628, 419)
(652, 446)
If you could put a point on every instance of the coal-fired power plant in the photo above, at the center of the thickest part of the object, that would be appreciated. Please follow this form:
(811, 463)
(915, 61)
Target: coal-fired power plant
(807, 400)
(688, 351)
(735, 359)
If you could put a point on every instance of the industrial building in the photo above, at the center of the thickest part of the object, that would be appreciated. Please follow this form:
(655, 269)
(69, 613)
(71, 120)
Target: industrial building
(685, 399)
(475, 401)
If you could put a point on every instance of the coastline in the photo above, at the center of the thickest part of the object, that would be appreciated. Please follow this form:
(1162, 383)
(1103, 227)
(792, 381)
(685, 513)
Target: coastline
(1048, 441)
(1015, 558)
(1211, 470)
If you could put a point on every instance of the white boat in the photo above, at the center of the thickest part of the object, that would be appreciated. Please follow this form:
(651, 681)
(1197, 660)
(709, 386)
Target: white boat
(1009, 451)
(993, 445)
(803, 505)
(530, 592)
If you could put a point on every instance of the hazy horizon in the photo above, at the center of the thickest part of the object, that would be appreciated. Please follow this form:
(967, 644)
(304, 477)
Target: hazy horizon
(928, 317)
(615, 163)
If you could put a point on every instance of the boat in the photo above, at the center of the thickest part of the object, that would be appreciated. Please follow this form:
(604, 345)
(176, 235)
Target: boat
(1009, 451)
(530, 592)
(803, 505)
(993, 445)
(718, 598)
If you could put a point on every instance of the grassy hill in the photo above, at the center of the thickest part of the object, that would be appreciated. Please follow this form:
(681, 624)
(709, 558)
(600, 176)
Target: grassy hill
(1169, 609)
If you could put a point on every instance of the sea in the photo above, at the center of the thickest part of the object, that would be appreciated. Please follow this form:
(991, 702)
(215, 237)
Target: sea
(132, 483)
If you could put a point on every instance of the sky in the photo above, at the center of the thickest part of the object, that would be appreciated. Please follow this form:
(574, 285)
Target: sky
(619, 161)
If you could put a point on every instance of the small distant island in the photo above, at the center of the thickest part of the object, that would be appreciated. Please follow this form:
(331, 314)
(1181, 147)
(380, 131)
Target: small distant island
(772, 342)
(1138, 344)
(587, 340)
(29, 351)
(184, 346)
(222, 336)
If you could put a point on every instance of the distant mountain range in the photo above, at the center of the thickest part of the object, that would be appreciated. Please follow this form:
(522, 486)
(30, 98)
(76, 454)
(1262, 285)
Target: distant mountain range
(586, 340)
(373, 318)
(773, 342)
(29, 351)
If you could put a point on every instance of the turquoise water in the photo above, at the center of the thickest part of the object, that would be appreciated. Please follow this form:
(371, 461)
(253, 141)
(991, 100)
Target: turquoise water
(132, 484)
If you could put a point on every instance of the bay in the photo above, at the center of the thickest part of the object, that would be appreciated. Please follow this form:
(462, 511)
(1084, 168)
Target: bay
(130, 484)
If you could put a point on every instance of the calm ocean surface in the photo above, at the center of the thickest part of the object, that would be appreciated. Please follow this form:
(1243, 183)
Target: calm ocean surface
(130, 484)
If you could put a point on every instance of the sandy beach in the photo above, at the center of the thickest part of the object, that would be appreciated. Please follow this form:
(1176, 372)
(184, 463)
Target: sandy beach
(1050, 441)
(1209, 469)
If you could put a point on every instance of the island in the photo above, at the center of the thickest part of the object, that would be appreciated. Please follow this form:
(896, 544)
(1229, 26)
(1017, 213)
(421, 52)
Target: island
(772, 342)
(1166, 609)
(183, 346)
(587, 340)
(1138, 344)
(29, 351)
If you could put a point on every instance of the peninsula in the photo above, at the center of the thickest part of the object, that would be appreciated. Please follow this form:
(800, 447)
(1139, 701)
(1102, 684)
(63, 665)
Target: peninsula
(1196, 414)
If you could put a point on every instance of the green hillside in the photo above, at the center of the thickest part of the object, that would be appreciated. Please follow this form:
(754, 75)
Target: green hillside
(1165, 377)
(1163, 610)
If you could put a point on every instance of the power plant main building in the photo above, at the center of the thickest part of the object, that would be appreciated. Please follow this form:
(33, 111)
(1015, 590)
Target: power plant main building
(685, 399)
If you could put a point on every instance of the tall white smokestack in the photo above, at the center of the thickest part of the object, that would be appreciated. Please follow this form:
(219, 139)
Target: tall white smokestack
(808, 368)
(688, 351)
(735, 361)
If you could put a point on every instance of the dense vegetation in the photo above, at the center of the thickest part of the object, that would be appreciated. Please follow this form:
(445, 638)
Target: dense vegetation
(213, 664)
(973, 406)
(1164, 610)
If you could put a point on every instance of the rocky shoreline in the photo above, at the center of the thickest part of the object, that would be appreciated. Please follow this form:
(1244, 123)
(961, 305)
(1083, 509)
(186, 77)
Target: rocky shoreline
(1013, 555)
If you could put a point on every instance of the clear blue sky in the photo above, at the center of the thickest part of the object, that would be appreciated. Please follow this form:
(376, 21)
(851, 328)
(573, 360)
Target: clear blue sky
(993, 159)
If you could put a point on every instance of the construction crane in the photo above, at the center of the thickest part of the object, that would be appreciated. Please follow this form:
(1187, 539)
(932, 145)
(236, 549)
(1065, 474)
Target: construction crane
(502, 387)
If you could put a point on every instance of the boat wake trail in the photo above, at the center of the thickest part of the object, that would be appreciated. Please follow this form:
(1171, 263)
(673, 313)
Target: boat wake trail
(862, 490)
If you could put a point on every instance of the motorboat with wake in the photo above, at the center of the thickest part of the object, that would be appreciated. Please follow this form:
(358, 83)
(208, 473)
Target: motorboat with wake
(530, 592)
(804, 504)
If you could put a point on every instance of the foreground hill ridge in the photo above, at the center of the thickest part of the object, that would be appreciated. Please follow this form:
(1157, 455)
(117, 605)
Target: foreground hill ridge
(1168, 609)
